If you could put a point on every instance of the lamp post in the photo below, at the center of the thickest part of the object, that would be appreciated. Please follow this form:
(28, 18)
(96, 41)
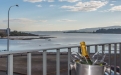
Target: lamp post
(8, 29)
(10, 57)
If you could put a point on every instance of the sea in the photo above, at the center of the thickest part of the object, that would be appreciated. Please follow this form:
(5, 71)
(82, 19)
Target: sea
(62, 39)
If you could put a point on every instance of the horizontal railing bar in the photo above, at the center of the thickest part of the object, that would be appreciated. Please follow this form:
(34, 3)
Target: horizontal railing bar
(104, 43)
(53, 48)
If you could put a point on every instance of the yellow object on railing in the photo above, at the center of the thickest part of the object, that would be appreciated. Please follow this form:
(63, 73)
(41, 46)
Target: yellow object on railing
(83, 48)
(85, 53)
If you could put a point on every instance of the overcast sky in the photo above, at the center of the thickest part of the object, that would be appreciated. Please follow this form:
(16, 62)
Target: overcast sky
(52, 15)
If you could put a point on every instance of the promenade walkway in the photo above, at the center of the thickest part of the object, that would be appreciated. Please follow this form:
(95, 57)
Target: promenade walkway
(4, 73)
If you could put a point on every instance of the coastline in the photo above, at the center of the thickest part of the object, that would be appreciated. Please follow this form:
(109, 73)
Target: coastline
(27, 37)
(91, 33)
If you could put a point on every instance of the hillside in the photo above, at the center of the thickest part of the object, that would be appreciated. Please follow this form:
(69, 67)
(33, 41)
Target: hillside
(93, 29)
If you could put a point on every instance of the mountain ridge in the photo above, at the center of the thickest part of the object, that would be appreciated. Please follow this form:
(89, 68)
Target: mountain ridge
(95, 28)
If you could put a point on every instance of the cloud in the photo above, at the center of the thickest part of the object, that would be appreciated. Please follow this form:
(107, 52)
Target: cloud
(113, 1)
(50, 0)
(68, 0)
(33, 1)
(39, 5)
(66, 20)
(52, 5)
(86, 6)
(117, 22)
(21, 20)
(43, 20)
(104, 11)
(111, 4)
(99, 0)
(115, 8)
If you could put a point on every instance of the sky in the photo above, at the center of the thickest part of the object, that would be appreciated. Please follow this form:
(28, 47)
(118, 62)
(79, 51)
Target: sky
(59, 15)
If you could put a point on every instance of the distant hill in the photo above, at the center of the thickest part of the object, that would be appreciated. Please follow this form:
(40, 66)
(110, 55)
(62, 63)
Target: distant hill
(109, 31)
(94, 29)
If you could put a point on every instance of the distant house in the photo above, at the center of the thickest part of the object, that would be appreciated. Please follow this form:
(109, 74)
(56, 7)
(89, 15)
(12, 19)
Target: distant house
(3, 32)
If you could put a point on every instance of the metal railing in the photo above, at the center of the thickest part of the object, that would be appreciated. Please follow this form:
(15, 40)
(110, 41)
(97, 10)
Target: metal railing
(111, 49)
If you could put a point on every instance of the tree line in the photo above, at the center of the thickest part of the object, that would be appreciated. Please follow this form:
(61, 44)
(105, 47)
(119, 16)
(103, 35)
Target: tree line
(115, 31)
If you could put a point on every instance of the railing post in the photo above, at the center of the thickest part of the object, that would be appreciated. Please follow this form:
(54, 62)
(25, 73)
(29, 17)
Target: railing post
(69, 59)
(115, 58)
(109, 48)
(44, 63)
(88, 49)
(96, 49)
(10, 64)
(29, 63)
(103, 48)
(58, 62)
(79, 50)
(120, 56)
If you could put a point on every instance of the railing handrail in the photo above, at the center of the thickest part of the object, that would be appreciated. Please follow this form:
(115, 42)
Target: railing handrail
(52, 48)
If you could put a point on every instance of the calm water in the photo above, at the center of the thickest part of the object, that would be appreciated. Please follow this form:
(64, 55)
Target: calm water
(63, 39)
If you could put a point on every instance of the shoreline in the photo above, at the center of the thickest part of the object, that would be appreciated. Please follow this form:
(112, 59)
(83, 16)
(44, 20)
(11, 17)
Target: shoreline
(27, 38)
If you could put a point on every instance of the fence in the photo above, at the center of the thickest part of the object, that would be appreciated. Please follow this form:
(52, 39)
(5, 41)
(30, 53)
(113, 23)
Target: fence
(113, 51)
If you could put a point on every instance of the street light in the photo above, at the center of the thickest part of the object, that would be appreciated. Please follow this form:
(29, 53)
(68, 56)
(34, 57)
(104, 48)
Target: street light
(8, 29)
(8, 32)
